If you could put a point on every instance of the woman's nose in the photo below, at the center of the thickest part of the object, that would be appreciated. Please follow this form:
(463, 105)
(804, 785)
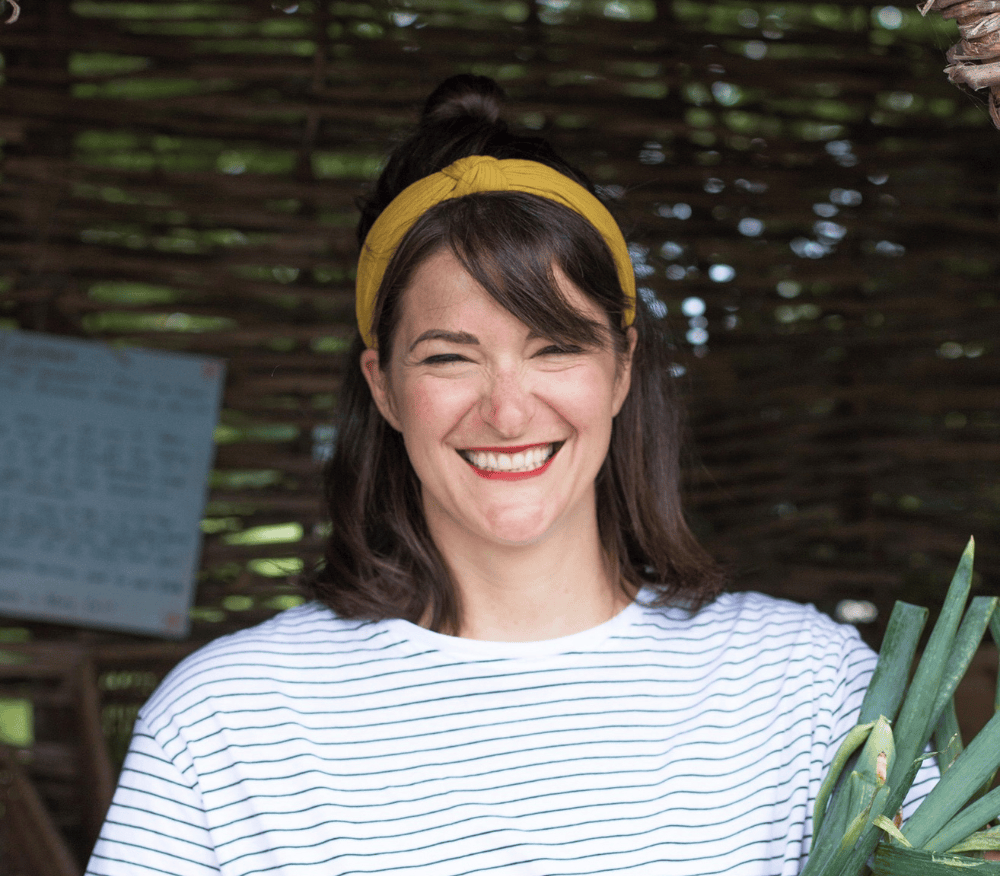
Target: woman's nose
(506, 405)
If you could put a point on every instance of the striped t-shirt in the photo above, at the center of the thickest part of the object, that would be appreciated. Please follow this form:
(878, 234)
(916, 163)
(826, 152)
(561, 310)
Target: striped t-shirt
(657, 743)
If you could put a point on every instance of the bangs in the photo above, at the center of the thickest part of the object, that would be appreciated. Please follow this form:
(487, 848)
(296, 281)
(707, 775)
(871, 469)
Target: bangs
(509, 243)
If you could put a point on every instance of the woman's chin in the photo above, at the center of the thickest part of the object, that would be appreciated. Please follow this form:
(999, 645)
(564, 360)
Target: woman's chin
(517, 529)
(518, 526)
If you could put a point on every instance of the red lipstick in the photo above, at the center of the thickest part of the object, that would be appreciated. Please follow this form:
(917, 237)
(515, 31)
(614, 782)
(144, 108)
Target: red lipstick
(511, 475)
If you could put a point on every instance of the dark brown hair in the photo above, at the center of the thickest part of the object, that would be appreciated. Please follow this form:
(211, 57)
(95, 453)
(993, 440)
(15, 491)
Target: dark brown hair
(380, 559)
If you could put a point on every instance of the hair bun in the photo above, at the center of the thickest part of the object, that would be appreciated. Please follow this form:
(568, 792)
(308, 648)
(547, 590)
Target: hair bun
(465, 96)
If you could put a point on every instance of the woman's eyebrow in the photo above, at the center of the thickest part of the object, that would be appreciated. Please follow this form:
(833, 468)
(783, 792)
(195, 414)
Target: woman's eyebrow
(442, 335)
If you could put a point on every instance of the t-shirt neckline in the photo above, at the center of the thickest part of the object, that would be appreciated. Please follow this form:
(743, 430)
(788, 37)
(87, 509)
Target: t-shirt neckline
(586, 640)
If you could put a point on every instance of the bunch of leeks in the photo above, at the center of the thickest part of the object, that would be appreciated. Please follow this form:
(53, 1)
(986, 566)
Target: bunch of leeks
(857, 814)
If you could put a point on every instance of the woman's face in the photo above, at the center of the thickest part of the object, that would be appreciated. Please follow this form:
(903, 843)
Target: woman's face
(505, 430)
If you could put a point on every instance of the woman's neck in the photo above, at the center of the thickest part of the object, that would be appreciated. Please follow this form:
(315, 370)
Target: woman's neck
(558, 586)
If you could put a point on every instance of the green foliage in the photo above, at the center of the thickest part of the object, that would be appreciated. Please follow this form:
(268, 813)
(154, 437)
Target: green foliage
(10, 635)
(255, 160)
(110, 292)
(284, 601)
(250, 46)
(347, 165)
(139, 11)
(651, 90)
(628, 10)
(17, 722)
(237, 602)
(148, 88)
(206, 614)
(104, 64)
(266, 433)
(245, 479)
(281, 533)
(276, 568)
(330, 344)
(214, 525)
(124, 322)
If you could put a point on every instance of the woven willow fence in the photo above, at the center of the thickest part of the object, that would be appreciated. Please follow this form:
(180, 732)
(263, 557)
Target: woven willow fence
(813, 209)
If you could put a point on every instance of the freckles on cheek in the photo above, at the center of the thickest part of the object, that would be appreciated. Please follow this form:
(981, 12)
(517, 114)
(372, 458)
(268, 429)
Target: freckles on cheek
(421, 404)
(580, 398)
(434, 406)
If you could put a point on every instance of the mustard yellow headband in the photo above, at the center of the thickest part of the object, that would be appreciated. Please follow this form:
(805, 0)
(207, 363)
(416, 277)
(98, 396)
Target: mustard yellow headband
(479, 173)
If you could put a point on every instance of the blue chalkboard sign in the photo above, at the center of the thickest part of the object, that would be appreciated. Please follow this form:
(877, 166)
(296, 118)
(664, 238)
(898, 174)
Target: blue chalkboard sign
(104, 461)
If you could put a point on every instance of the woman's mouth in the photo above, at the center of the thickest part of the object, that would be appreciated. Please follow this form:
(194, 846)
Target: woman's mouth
(505, 463)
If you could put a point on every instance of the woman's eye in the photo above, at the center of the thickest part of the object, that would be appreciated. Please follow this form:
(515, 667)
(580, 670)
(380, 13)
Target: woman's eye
(443, 359)
(559, 350)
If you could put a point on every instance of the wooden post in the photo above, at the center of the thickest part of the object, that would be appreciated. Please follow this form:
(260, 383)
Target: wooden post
(30, 828)
(98, 772)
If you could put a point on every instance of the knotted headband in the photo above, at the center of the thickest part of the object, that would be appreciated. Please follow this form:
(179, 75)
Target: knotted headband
(479, 173)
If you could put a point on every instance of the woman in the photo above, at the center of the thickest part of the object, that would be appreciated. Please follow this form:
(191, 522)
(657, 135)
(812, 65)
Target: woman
(517, 659)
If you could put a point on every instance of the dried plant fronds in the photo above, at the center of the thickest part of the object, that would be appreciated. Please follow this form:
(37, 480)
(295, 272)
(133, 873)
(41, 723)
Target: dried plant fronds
(975, 60)
(15, 12)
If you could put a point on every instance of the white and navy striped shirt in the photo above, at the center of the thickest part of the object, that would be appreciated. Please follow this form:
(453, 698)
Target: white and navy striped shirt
(656, 743)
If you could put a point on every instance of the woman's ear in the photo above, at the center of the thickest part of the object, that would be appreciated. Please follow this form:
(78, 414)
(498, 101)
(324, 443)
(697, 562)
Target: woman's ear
(624, 379)
(379, 387)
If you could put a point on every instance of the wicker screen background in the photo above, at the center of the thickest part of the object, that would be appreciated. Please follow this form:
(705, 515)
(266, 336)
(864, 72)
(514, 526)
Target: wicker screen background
(813, 209)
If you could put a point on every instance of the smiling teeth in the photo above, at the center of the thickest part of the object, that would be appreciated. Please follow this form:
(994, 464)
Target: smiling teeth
(525, 460)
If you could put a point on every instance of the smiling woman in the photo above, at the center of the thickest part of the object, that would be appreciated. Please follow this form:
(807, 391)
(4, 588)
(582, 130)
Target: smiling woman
(516, 659)
(496, 220)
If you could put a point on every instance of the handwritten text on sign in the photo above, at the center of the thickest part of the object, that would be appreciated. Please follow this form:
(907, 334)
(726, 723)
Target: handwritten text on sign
(104, 462)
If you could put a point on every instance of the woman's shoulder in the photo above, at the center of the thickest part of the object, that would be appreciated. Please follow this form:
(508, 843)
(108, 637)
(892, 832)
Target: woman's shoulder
(761, 609)
(297, 645)
(752, 622)
(750, 608)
